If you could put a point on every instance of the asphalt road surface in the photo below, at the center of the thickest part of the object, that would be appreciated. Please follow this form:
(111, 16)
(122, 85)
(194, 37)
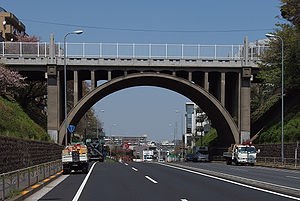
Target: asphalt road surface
(114, 181)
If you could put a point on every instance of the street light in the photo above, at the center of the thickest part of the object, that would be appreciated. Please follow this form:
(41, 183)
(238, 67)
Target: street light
(65, 82)
(282, 93)
(181, 119)
(98, 122)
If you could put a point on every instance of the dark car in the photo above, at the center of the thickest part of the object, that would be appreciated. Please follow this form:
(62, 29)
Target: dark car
(201, 156)
(189, 157)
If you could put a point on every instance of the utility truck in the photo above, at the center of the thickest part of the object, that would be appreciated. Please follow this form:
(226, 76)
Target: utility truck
(244, 153)
(95, 149)
(75, 157)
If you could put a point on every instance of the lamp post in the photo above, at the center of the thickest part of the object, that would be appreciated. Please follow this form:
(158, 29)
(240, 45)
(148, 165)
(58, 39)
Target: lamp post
(97, 132)
(65, 83)
(282, 93)
(111, 141)
(181, 122)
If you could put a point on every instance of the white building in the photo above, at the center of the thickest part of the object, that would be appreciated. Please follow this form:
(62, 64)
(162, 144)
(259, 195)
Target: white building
(196, 124)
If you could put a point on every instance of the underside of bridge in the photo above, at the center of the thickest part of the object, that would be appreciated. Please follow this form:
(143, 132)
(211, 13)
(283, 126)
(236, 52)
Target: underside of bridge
(221, 119)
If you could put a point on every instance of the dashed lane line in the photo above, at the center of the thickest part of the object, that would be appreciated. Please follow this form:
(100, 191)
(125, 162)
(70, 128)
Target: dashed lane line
(293, 177)
(152, 180)
(134, 169)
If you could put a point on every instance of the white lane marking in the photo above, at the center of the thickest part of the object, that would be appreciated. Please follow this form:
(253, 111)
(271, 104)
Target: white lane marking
(76, 197)
(183, 199)
(126, 164)
(236, 183)
(293, 177)
(152, 180)
(134, 169)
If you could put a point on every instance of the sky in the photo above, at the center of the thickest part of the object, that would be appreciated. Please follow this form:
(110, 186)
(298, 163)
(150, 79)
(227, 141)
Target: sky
(147, 110)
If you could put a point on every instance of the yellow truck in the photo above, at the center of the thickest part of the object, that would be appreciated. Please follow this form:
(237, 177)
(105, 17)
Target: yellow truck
(75, 157)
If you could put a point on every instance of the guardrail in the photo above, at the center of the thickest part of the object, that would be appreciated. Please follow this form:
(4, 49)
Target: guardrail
(12, 183)
(125, 50)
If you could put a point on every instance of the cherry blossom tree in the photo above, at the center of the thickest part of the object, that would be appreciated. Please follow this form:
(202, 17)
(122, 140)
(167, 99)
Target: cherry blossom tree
(10, 80)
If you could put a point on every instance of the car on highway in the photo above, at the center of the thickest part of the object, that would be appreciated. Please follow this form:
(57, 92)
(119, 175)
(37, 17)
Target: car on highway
(189, 157)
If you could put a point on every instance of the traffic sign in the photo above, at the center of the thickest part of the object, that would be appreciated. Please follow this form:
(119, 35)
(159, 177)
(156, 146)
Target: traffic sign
(71, 128)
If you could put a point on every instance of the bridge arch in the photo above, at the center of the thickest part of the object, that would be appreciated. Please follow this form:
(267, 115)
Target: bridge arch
(221, 119)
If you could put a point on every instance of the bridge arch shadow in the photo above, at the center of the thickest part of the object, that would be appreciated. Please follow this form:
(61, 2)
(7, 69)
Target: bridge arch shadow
(221, 119)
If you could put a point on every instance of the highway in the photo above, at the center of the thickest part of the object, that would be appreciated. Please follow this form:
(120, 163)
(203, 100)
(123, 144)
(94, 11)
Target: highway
(113, 181)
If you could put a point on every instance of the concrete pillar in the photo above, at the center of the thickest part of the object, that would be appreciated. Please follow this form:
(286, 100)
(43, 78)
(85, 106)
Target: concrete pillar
(53, 97)
(76, 87)
(190, 76)
(245, 104)
(223, 89)
(108, 75)
(206, 83)
(93, 80)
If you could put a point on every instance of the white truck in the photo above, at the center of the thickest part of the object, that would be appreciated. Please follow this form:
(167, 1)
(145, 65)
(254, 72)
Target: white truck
(75, 157)
(241, 154)
(148, 155)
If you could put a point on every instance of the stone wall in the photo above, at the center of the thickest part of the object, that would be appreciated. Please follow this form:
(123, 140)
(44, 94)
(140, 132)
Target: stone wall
(18, 153)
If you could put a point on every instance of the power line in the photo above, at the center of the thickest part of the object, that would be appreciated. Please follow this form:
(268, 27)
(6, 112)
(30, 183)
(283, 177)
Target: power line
(145, 30)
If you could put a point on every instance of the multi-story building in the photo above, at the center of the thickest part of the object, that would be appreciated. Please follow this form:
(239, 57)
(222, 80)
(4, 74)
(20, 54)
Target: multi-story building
(196, 124)
(10, 26)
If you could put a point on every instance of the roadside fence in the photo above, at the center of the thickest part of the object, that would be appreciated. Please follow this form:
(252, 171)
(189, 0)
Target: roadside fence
(277, 162)
(12, 183)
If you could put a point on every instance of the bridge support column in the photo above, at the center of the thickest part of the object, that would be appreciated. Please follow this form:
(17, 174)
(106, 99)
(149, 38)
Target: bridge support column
(108, 75)
(190, 76)
(93, 80)
(245, 105)
(77, 87)
(53, 98)
(206, 83)
(223, 89)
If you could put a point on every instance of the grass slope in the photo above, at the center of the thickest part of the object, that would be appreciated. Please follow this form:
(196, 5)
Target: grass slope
(14, 122)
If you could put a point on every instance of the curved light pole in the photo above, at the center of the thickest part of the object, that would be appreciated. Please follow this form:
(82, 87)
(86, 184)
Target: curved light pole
(282, 93)
(65, 83)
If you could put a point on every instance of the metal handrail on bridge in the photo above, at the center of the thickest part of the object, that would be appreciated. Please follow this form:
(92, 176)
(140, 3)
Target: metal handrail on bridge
(129, 51)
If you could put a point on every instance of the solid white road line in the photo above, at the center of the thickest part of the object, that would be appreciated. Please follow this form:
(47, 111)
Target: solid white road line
(134, 169)
(76, 197)
(293, 177)
(183, 199)
(233, 182)
(152, 180)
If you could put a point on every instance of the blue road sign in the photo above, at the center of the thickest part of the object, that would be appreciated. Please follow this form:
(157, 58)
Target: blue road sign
(71, 128)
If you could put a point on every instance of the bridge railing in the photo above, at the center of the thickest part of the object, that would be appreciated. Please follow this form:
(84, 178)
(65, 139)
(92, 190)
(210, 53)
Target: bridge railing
(125, 50)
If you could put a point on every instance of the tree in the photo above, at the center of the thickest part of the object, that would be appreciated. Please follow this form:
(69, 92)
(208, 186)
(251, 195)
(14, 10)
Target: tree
(270, 71)
(290, 10)
(10, 80)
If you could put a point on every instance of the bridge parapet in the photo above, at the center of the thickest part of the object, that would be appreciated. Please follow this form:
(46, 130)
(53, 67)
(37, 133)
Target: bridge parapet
(124, 50)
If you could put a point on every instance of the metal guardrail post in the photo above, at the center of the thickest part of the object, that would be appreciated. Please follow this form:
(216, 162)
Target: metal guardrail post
(3, 186)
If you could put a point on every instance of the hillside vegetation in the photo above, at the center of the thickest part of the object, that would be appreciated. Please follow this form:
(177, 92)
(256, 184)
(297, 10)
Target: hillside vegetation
(15, 122)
